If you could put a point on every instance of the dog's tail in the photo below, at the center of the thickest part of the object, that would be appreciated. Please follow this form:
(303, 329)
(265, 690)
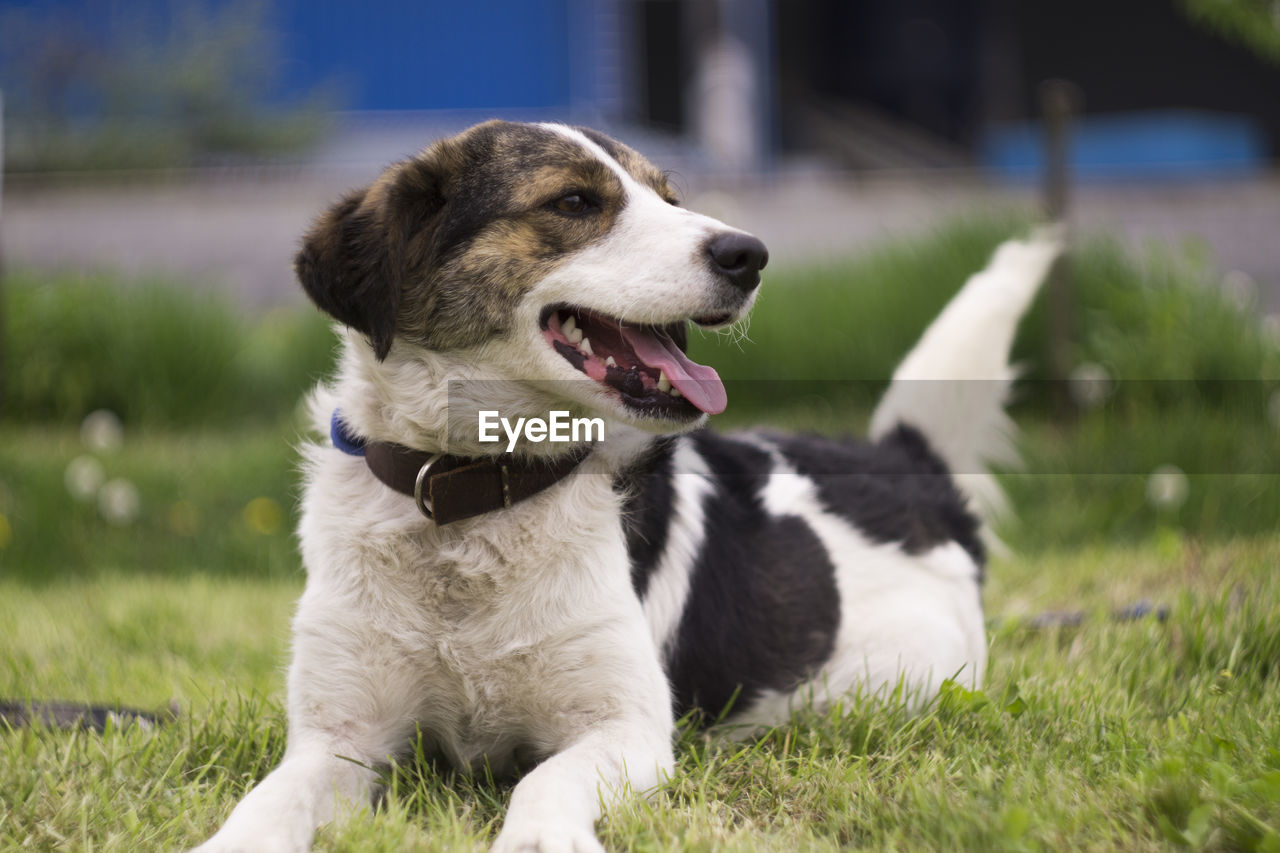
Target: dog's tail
(953, 385)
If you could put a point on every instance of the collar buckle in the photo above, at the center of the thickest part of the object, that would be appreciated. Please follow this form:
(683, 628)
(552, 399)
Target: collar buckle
(424, 504)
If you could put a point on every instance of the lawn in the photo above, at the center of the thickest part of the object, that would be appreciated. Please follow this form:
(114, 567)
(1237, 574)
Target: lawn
(1102, 734)
(1098, 728)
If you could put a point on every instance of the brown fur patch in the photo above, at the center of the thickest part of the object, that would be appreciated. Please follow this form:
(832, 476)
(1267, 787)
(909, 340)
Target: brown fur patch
(440, 247)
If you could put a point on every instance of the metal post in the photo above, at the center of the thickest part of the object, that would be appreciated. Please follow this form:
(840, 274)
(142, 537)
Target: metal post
(1060, 101)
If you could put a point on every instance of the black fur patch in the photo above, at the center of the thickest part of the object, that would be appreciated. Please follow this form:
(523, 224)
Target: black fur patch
(345, 265)
(763, 608)
(646, 514)
(896, 490)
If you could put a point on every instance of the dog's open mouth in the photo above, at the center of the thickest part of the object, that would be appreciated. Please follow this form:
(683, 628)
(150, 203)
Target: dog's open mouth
(641, 363)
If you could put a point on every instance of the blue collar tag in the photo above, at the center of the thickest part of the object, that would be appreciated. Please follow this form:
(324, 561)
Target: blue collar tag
(343, 438)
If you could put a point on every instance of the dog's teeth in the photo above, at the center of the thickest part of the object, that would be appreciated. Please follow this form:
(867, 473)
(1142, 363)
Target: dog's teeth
(675, 392)
(664, 384)
(569, 328)
(585, 346)
(609, 362)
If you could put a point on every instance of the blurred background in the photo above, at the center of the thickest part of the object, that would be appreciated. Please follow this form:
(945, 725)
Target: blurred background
(197, 137)
(162, 157)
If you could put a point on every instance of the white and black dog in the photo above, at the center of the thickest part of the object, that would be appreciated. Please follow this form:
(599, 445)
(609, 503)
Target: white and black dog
(556, 607)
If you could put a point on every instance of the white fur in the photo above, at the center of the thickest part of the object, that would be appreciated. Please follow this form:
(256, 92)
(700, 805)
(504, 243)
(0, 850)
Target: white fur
(954, 383)
(668, 590)
(488, 633)
(516, 634)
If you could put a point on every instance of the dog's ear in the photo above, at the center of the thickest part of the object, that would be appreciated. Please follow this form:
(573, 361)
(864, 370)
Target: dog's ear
(354, 260)
(344, 266)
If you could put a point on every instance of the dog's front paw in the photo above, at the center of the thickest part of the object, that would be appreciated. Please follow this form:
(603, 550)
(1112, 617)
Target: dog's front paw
(559, 837)
(265, 844)
(263, 839)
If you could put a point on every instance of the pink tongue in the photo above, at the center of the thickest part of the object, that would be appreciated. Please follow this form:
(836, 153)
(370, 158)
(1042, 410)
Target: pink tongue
(699, 384)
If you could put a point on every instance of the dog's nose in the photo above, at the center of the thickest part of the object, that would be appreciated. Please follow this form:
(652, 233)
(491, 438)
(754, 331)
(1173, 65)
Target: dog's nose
(738, 257)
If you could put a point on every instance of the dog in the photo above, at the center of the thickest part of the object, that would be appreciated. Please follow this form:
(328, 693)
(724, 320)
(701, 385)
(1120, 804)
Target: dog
(553, 609)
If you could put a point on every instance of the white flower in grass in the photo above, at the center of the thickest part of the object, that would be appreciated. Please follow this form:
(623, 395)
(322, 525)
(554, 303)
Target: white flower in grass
(1271, 328)
(101, 430)
(119, 502)
(84, 477)
(1240, 288)
(1089, 385)
(1167, 487)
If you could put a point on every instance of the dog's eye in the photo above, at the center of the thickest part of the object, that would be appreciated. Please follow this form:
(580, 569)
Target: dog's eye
(573, 204)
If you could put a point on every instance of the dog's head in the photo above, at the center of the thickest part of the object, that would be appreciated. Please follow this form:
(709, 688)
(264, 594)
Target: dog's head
(544, 253)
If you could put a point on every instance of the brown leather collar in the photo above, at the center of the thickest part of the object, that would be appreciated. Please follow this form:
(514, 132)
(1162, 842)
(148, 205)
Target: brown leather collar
(451, 488)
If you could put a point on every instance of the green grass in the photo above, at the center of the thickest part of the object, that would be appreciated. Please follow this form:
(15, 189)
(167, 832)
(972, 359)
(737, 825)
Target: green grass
(1112, 735)
(211, 502)
(154, 352)
(223, 502)
(1106, 735)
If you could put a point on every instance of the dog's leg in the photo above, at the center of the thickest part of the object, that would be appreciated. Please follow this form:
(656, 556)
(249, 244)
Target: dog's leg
(555, 807)
(313, 785)
(352, 703)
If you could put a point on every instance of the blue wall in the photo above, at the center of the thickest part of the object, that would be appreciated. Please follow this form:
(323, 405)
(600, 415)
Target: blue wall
(398, 55)
(429, 54)
(1152, 144)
